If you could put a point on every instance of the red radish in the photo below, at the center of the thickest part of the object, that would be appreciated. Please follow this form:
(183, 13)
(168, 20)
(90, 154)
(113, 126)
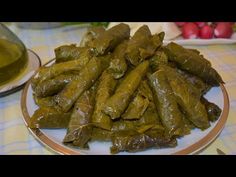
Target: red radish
(179, 24)
(200, 24)
(206, 32)
(223, 30)
(190, 31)
(231, 23)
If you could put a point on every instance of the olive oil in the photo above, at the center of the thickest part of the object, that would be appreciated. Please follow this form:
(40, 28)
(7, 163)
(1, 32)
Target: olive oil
(13, 60)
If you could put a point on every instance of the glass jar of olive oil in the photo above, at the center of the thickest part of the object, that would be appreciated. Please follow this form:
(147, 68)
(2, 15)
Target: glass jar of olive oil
(13, 55)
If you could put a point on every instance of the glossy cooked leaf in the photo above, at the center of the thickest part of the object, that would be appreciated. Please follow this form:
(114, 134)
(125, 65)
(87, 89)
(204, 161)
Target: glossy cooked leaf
(136, 108)
(188, 125)
(212, 109)
(83, 135)
(44, 102)
(70, 52)
(149, 50)
(92, 34)
(59, 68)
(193, 63)
(142, 45)
(188, 79)
(118, 125)
(99, 134)
(120, 100)
(140, 102)
(87, 77)
(166, 104)
(108, 40)
(138, 125)
(106, 87)
(145, 90)
(133, 141)
(196, 54)
(187, 99)
(118, 65)
(123, 125)
(195, 81)
(159, 58)
(52, 86)
(150, 116)
(83, 110)
(145, 128)
(195, 51)
(140, 38)
(49, 117)
(79, 129)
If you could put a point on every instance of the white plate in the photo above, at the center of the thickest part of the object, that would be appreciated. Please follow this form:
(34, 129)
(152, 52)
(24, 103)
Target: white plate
(192, 143)
(33, 64)
(213, 41)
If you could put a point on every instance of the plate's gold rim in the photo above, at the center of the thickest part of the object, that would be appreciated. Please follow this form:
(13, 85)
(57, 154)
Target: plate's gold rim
(58, 148)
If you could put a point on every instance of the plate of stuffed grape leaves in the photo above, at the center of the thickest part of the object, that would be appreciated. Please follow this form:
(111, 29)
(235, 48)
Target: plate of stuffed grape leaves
(113, 93)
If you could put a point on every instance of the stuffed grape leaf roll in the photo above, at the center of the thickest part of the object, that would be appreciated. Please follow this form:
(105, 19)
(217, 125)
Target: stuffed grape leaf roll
(108, 40)
(44, 102)
(166, 104)
(145, 90)
(120, 100)
(121, 124)
(195, 81)
(195, 50)
(159, 58)
(212, 109)
(49, 72)
(136, 108)
(70, 52)
(193, 63)
(142, 45)
(99, 134)
(52, 86)
(150, 116)
(92, 34)
(118, 65)
(79, 129)
(138, 125)
(140, 102)
(49, 117)
(187, 99)
(133, 141)
(105, 89)
(87, 77)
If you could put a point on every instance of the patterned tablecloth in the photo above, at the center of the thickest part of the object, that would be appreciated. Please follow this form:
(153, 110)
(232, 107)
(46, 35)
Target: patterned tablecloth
(16, 139)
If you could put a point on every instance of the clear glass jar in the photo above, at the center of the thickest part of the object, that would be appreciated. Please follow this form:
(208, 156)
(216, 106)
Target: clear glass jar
(13, 55)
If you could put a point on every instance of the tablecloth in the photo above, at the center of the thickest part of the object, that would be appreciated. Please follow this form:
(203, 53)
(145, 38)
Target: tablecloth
(16, 139)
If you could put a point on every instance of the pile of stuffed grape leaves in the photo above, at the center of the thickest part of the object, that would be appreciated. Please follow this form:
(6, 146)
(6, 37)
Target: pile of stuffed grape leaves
(132, 91)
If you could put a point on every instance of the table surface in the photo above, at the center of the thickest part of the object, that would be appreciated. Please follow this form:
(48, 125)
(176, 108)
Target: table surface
(15, 137)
